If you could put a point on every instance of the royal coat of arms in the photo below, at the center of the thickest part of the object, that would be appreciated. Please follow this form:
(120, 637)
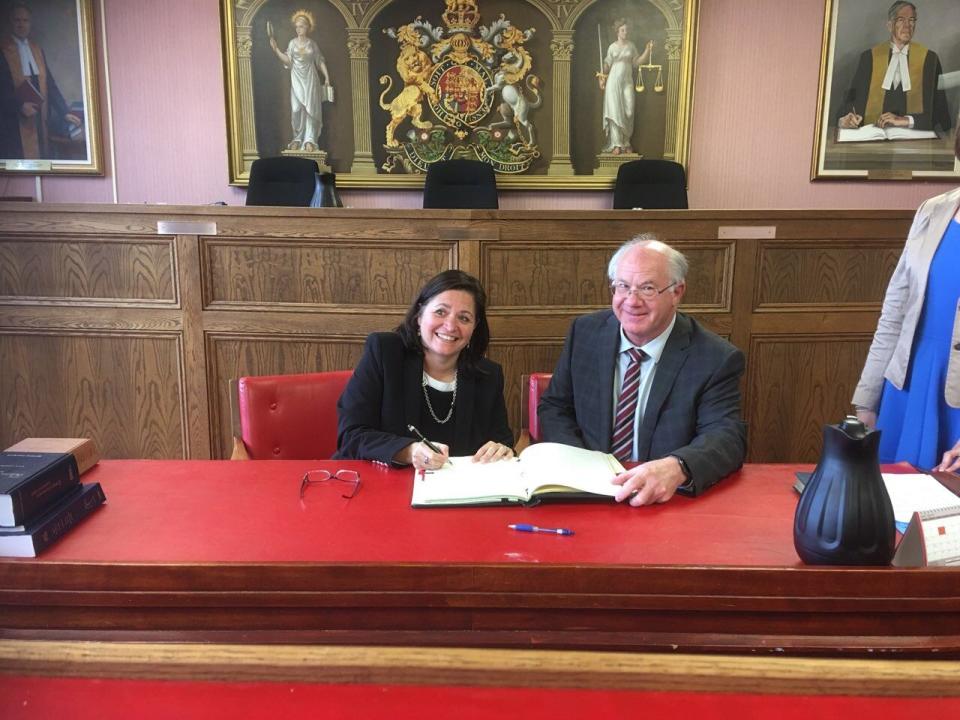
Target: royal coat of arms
(468, 92)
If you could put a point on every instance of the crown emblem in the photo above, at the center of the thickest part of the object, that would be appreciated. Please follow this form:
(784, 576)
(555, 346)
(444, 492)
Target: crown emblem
(461, 16)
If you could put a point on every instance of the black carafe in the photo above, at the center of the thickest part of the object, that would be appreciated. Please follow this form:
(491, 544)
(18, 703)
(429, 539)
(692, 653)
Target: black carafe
(325, 194)
(844, 516)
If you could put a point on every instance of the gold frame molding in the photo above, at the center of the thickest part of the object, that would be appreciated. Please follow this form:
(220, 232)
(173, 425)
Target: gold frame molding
(93, 163)
(560, 21)
(878, 160)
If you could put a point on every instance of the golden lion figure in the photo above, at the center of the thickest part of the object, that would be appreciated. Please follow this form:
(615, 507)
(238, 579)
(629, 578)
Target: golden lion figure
(414, 67)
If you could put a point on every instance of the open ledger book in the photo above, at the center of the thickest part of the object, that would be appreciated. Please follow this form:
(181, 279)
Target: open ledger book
(867, 133)
(545, 469)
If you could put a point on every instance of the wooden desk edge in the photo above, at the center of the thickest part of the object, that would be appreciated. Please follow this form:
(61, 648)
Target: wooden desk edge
(479, 667)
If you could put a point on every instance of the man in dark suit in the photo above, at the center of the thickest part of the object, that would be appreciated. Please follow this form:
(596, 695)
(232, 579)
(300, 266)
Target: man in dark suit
(684, 426)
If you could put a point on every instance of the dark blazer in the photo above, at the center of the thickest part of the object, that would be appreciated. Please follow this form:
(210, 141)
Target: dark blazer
(694, 406)
(385, 395)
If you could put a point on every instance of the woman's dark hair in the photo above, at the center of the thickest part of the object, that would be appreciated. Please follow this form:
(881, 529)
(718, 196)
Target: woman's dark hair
(409, 329)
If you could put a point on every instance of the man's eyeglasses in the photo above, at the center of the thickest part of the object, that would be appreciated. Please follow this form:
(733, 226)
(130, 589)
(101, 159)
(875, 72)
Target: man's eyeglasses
(647, 291)
(316, 477)
(911, 21)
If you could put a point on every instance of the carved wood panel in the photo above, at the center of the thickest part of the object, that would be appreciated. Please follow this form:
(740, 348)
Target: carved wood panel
(123, 390)
(848, 275)
(797, 385)
(565, 276)
(116, 271)
(244, 273)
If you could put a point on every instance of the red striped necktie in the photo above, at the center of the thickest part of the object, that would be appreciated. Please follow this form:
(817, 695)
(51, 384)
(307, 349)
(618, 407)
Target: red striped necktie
(622, 441)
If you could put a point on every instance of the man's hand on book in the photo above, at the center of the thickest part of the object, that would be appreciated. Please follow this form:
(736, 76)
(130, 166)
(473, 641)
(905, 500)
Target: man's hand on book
(652, 482)
(889, 119)
(492, 451)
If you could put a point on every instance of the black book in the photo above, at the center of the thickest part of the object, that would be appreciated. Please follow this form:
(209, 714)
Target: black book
(40, 534)
(32, 481)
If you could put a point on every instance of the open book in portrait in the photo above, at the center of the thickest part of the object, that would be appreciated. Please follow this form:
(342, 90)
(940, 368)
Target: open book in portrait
(870, 133)
(542, 471)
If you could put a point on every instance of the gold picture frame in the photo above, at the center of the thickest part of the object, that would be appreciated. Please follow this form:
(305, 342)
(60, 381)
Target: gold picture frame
(53, 127)
(498, 80)
(854, 33)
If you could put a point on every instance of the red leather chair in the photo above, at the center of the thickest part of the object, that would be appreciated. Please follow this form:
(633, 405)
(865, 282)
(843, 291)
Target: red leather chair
(287, 417)
(532, 387)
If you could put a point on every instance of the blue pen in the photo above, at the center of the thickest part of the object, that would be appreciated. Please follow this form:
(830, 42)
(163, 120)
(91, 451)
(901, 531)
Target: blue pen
(523, 527)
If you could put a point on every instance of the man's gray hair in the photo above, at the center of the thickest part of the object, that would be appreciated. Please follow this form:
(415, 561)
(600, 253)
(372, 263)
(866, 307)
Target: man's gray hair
(895, 8)
(676, 261)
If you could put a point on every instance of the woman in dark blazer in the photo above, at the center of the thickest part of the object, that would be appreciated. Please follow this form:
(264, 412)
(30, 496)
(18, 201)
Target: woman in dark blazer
(430, 373)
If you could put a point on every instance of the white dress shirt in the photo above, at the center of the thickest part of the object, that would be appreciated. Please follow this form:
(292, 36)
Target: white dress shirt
(648, 368)
(898, 72)
(28, 63)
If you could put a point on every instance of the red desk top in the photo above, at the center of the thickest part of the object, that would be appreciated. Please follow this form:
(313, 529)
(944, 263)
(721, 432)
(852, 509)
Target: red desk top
(36, 697)
(223, 511)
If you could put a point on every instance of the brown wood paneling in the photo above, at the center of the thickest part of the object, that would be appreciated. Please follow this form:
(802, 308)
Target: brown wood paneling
(319, 275)
(850, 275)
(565, 276)
(798, 384)
(282, 290)
(125, 271)
(521, 357)
(233, 356)
(122, 390)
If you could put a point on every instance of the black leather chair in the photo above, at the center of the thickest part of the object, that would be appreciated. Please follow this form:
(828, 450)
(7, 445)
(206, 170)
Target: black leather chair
(651, 185)
(282, 180)
(460, 184)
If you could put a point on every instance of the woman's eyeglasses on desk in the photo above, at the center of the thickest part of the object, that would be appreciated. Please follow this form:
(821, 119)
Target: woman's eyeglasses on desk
(317, 477)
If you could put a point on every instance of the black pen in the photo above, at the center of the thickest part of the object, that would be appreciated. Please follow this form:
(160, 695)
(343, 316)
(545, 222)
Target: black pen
(426, 442)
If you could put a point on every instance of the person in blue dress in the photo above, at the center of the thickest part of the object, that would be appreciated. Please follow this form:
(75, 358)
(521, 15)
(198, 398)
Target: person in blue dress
(910, 385)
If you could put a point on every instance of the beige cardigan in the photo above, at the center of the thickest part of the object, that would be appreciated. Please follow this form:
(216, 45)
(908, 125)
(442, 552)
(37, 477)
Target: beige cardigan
(889, 355)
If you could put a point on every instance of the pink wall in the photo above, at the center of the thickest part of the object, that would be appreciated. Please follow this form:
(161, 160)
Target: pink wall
(755, 101)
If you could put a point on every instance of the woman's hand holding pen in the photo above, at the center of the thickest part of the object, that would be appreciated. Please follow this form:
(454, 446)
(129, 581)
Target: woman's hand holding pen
(422, 456)
(426, 455)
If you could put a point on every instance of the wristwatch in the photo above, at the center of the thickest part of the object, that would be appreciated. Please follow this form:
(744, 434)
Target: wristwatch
(683, 466)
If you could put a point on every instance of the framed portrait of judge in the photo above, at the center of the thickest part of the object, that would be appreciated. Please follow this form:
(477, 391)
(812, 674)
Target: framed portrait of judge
(49, 109)
(551, 93)
(889, 90)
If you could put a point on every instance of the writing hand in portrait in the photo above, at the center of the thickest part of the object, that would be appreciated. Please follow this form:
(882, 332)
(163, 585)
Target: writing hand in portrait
(652, 482)
(889, 119)
(491, 451)
(850, 121)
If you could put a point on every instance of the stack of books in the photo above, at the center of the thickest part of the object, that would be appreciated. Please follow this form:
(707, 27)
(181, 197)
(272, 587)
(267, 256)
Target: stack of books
(41, 496)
